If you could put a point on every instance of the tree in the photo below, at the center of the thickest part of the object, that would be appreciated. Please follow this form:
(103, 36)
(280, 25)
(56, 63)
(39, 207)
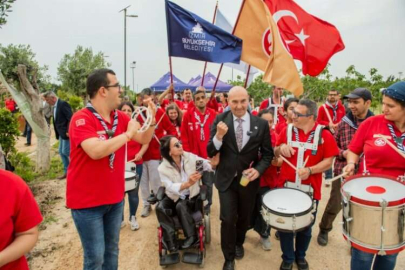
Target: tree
(258, 89)
(5, 6)
(74, 69)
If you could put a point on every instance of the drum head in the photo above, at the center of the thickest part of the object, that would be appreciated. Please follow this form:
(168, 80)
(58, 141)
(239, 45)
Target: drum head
(287, 201)
(129, 176)
(371, 190)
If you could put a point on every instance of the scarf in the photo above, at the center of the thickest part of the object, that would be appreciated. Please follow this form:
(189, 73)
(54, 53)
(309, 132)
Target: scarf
(202, 136)
(398, 140)
(334, 108)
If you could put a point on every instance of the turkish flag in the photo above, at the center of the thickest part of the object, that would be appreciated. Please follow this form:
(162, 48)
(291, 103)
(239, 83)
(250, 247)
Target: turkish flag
(307, 38)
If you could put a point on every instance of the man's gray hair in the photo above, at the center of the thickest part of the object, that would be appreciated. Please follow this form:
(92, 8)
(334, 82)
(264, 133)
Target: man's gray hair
(147, 92)
(49, 94)
(312, 108)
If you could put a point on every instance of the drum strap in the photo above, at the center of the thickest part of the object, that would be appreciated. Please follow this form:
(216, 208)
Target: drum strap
(275, 106)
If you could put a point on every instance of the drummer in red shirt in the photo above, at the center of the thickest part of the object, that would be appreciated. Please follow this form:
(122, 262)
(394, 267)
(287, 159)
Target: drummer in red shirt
(304, 129)
(19, 220)
(95, 179)
(269, 180)
(380, 157)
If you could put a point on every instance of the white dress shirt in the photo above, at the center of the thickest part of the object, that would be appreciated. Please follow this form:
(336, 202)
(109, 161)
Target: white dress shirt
(246, 129)
(54, 109)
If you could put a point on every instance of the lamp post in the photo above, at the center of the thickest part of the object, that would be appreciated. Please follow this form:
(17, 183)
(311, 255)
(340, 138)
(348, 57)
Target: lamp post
(133, 66)
(125, 41)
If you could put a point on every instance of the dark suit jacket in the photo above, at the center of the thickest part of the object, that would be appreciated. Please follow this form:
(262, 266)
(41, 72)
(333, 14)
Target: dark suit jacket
(63, 116)
(231, 160)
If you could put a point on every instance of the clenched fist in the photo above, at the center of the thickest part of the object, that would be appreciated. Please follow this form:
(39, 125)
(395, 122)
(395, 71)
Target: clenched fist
(222, 129)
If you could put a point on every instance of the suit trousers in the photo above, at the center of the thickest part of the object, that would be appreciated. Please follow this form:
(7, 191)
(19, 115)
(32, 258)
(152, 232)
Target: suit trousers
(236, 206)
(332, 208)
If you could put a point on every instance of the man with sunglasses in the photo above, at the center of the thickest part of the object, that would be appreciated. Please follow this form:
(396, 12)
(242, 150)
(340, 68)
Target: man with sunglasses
(95, 180)
(195, 134)
(304, 129)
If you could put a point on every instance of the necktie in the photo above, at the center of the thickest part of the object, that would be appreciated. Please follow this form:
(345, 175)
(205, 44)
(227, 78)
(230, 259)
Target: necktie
(239, 133)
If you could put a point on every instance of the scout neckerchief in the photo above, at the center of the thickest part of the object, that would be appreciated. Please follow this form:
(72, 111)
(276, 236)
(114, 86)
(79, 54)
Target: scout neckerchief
(109, 132)
(297, 136)
(334, 108)
(398, 140)
(197, 117)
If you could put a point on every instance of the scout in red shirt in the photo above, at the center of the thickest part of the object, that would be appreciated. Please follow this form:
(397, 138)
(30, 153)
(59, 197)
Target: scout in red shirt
(175, 116)
(187, 99)
(288, 108)
(10, 104)
(331, 113)
(19, 220)
(95, 178)
(165, 102)
(150, 177)
(304, 129)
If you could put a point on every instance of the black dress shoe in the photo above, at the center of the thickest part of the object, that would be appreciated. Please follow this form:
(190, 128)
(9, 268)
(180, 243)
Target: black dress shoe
(302, 264)
(189, 242)
(239, 252)
(229, 265)
(171, 247)
(286, 266)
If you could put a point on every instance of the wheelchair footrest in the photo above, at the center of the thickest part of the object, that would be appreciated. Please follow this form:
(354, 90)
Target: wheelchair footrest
(192, 257)
(169, 259)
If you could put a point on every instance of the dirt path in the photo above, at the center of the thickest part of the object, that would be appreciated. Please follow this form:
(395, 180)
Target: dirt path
(59, 245)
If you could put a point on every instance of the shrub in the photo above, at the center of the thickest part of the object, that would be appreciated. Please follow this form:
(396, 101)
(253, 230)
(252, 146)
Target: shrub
(24, 166)
(8, 131)
(76, 103)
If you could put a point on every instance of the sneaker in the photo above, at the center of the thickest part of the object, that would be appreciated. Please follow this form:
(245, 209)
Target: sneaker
(322, 238)
(134, 223)
(286, 266)
(123, 224)
(146, 211)
(302, 264)
(266, 244)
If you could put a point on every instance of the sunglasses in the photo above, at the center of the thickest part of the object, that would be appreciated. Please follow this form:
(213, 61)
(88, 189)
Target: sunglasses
(178, 144)
(298, 115)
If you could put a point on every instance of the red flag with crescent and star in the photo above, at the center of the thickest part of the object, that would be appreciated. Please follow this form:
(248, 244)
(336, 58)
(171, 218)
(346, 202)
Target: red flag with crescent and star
(307, 38)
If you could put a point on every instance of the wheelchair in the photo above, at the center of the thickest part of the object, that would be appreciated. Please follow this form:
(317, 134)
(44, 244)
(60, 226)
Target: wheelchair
(196, 253)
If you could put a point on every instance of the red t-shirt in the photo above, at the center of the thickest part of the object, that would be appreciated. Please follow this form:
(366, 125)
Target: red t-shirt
(213, 104)
(326, 149)
(19, 212)
(10, 105)
(323, 117)
(280, 126)
(163, 127)
(166, 102)
(90, 182)
(133, 148)
(191, 131)
(187, 105)
(380, 157)
(270, 177)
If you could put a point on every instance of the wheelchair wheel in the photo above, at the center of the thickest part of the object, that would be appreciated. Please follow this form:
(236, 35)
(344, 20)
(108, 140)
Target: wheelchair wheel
(207, 225)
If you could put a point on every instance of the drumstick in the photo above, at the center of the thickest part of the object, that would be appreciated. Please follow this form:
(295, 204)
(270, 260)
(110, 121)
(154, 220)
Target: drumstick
(289, 163)
(337, 177)
(305, 163)
(390, 144)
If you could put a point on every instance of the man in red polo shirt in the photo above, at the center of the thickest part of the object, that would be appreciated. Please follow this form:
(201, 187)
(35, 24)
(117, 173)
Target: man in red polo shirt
(95, 180)
(150, 179)
(19, 220)
(187, 99)
(195, 134)
(331, 113)
(304, 129)
(164, 102)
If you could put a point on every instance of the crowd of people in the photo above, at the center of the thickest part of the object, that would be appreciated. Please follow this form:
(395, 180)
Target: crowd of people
(245, 151)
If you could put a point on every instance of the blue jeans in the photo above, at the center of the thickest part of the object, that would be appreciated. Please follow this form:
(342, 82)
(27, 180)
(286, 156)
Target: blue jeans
(133, 197)
(29, 132)
(329, 174)
(99, 231)
(302, 240)
(363, 261)
(64, 152)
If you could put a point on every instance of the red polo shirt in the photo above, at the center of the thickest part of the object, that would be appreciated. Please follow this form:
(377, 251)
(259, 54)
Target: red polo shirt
(191, 131)
(326, 149)
(380, 157)
(133, 148)
(19, 212)
(187, 105)
(323, 117)
(90, 182)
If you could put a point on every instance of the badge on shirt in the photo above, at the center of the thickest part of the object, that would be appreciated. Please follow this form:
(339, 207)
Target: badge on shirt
(380, 142)
(80, 122)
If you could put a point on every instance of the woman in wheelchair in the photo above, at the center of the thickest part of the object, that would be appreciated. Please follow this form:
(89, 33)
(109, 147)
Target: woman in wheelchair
(180, 177)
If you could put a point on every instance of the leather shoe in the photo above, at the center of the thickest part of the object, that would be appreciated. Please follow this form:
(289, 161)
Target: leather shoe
(323, 238)
(171, 247)
(189, 242)
(302, 264)
(239, 252)
(62, 177)
(286, 266)
(229, 265)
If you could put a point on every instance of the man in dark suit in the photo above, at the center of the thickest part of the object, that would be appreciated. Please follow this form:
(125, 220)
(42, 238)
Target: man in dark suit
(62, 112)
(244, 144)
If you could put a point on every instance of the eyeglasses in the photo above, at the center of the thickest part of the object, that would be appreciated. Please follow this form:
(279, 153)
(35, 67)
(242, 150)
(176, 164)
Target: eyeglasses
(298, 115)
(114, 85)
(178, 144)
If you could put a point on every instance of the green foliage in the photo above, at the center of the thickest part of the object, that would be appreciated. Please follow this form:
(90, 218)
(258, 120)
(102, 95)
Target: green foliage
(13, 55)
(5, 6)
(74, 69)
(8, 130)
(24, 166)
(55, 170)
(76, 103)
(258, 89)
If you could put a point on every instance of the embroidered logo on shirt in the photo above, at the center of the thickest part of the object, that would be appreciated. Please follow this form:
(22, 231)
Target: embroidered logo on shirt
(80, 122)
(380, 142)
(102, 137)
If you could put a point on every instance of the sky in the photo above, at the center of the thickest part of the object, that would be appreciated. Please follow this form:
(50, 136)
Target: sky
(372, 30)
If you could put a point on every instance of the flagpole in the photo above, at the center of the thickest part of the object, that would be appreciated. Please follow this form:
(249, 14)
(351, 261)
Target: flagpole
(233, 31)
(171, 76)
(168, 47)
(205, 65)
(247, 76)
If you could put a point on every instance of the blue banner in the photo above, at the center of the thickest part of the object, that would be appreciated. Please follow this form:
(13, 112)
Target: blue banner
(190, 36)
